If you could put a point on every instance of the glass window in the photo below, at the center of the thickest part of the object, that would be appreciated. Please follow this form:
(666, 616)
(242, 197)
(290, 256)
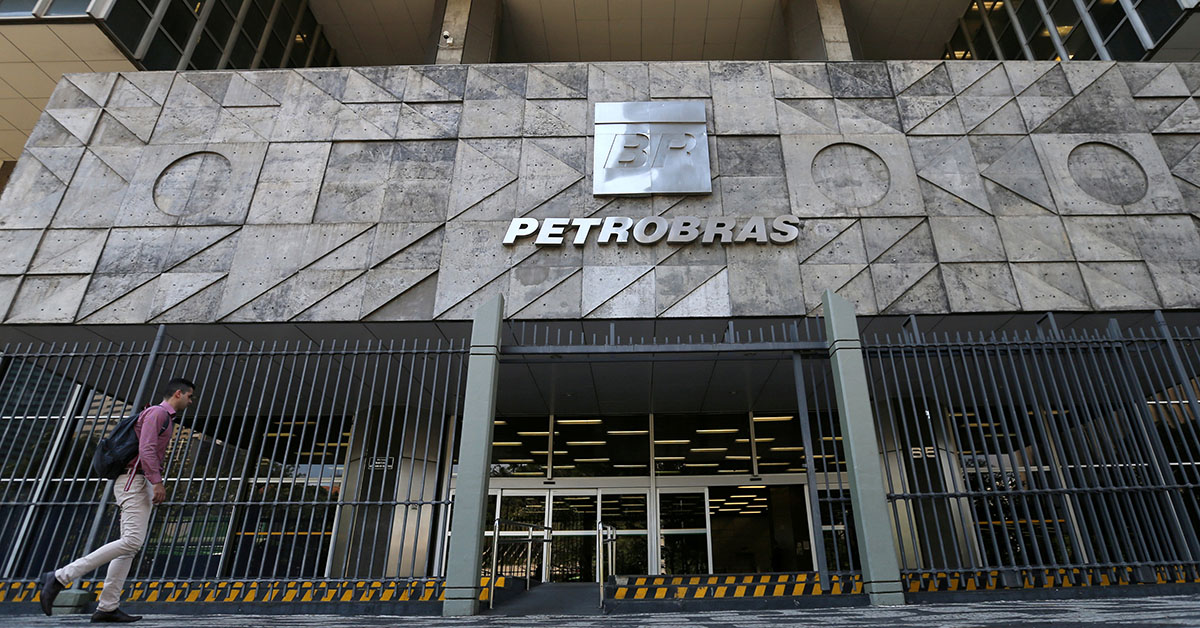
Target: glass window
(1041, 45)
(520, 446)
(1160, 16)
(1065, 17)
(220, 22)
(179, 20)
(206, 54)
(256, 21)
(1010, 44)
(243, 54)
(1107, 15)
(17, 8)
(688, 444)
(128, 21)
(1079, 46)
(163, 54)
(1124, 44)
(1030, 19)
(69, 7)
(760, 529)
(958, 44)
(779, 443)
(608, 446)
(273, 54)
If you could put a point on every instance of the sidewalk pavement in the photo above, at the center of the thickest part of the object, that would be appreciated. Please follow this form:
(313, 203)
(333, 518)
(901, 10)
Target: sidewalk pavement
(1181, 610)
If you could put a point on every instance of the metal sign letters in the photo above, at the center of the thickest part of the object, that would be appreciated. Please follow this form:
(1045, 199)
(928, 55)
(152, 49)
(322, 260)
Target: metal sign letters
(654, 229)
(650, 148)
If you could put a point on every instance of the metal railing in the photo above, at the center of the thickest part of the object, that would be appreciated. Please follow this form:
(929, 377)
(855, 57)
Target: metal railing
(1046, 451)
(606, 554)
(313, 460)
(528, 541)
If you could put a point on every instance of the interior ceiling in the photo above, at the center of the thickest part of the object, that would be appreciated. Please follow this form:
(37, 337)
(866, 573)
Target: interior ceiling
(378, 32)
(32, 59)
(902, 29)
(383, 32)
(642, 30)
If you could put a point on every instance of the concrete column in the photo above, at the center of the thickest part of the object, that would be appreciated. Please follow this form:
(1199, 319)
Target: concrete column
(876, 545)
(474, 452)
(473, 27)
(833, 30)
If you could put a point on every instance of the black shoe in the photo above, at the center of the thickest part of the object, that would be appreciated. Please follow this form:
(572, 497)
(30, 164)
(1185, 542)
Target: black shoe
(49, 590)
(116, 616)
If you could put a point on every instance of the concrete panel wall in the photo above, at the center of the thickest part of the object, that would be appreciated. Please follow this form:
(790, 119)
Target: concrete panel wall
(383, 193)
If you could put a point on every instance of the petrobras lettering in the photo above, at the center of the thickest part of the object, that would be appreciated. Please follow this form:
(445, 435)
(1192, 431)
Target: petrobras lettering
(653, 230)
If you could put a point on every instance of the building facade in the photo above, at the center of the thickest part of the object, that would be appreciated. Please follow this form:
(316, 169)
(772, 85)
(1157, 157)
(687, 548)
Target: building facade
(867, 329)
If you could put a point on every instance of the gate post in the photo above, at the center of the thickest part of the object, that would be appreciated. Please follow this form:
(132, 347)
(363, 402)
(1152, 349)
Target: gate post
(463, 567)
(876, 545)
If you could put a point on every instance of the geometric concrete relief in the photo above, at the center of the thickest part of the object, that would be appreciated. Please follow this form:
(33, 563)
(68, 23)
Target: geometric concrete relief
(379, 194)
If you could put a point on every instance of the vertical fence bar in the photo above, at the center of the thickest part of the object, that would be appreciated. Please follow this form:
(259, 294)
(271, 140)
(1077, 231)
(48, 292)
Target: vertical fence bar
(139, 398)
(810, 472)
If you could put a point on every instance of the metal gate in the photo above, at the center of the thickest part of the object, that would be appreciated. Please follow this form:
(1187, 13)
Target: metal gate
(1042, 457)
(299, 460)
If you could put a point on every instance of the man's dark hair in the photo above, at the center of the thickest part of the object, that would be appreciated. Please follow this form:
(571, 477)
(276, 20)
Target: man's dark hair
(177, 384)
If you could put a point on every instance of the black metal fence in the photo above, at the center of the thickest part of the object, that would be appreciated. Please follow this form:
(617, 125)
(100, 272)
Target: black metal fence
(315, 460)
(1018, 455)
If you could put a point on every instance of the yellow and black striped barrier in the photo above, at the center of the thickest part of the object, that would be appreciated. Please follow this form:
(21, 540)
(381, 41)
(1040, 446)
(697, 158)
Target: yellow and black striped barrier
(739, 586)
(1043, 579)
(272, 592)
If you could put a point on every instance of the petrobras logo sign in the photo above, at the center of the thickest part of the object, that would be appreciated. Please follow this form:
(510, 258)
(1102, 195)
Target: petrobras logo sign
(646, 148)
(653, 229)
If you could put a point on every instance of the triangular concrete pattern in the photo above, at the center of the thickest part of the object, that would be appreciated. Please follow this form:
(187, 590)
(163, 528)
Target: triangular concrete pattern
(105, 289)
(915, 109)
(635, 300)
(249, 278)
(215, 84)
(1019, 170)
(243, 93)
(376, 121)
(111, 132)
(858, 81)
(674, 284)
(807, 115)
(709, 299)
(1100, 282)
(561, 300)
(556, 81)
(385, 286)
(466, 307)
(847, 248)
(1063, 293)
(156, 85)
(923, 292)
(1185, 119)
(920, 78)
(543, 175)
(949, 164)
(1168, 83)
(127, 94)
(853, 118)
(122, 160)
(801, 80)
(196, 308)
(392, 239)
(415, 303)
(964, 74)
(816, 233)
(428, 121)
(96, 86)
(1156, 110)
(1005, 121)
(945, 121)
(190, 249)
(1103, 104)
(879, 234)
(343, 304)
(67, 96)
(175, 288)
(817, 278)
(984, 288)
(550, 118)
(476, 176)
(332, 81)
(1139, 75)
(61, 161)
(231, 128)
(80, 122)
(290, 297)
(1023, 74)
(1188, 168)
(1082, 75)
(360, 88)
(528, 283)
(132, 306)
(602, 283)
(139, 121)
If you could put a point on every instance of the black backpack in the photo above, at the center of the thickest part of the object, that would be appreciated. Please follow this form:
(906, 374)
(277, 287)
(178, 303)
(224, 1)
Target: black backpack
(118, 449)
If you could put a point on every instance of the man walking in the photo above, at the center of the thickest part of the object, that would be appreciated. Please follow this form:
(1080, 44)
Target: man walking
(135, 491)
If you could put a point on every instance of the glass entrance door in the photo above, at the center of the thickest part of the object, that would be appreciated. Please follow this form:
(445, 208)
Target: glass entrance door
(573, 515)
(683, 532)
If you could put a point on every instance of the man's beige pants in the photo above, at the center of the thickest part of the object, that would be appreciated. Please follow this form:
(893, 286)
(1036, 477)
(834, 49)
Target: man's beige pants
(135, 505)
